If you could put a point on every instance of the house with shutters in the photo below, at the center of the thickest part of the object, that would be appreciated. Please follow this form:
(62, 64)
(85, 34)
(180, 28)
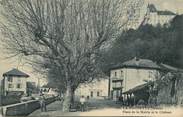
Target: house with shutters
(131, 74)
(14, 82)
(123, 77)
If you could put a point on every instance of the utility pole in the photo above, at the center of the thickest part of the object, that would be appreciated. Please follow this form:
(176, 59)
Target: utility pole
(1, 94)
(38, 85)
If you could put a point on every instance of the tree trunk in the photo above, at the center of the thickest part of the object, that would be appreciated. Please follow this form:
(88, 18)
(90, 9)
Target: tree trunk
(67, 99)
(72, 96)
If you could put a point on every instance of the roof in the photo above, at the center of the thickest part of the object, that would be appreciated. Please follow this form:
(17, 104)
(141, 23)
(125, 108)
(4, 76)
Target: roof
(165, 13)
(15, 72)
(138, 88)
(152, 8)
(138, 63)
(170, 68)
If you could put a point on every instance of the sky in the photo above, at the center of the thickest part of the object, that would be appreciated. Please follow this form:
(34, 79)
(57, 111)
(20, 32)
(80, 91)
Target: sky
(7, 64)
(172, 5)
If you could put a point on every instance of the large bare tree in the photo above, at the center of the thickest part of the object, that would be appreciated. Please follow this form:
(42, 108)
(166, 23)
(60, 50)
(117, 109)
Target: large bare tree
(62, 34)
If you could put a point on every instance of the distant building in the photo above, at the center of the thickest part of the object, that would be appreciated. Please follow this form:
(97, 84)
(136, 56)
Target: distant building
(97, 89)
(141, 13)
(135, 12)
(155, 16)
(130, 74)
(14, 81)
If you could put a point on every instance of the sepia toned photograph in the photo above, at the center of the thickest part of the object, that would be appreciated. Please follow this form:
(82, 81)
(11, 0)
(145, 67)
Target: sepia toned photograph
(91, 58)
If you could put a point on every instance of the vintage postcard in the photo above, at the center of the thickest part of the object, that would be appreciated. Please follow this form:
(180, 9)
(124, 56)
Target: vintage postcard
(91, 58)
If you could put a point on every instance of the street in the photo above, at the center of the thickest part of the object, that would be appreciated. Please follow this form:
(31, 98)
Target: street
(94, 106)
(108, 108)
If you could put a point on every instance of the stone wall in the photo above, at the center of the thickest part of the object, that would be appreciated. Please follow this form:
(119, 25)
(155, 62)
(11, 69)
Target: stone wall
(24, 108)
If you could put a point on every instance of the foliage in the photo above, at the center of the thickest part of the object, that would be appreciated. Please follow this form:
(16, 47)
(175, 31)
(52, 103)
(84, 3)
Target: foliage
(162, 44)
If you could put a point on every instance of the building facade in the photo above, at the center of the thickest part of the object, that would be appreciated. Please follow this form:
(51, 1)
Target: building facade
(14, 81)
(155, 16)
(130, 74)
(97, 89)
(135, 11)
(140, 13)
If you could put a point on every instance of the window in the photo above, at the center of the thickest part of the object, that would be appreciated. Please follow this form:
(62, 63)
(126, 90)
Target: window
(122, 74)
(19, 80)
(115, 73)
(10, 85)
(18, 86)
(98, 93)
(10, 79)
(150, 74)
(91, 94)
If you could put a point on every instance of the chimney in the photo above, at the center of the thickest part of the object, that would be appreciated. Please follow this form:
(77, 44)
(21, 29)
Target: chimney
(137, 61)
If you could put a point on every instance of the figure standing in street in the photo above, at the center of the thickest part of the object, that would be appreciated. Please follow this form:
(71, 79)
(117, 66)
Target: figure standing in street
(128, 100)
(62, 98)
(43, 103)
(122, 100)
(82, 102)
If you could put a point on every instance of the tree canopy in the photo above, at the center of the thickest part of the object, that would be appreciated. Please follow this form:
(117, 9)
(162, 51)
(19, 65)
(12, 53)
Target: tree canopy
(163, 44)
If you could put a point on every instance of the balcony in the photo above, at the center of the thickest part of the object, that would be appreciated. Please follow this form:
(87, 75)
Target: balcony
(117, 79)
(117, 88)
(117, 84)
